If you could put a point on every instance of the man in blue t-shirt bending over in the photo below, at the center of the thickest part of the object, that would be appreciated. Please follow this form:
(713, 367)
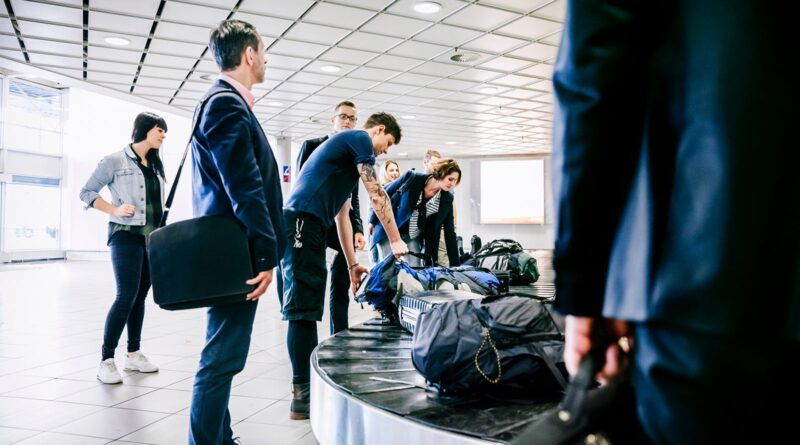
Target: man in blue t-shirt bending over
(319, 199)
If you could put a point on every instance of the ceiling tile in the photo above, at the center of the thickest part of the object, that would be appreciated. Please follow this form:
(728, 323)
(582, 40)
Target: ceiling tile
(447, 35)
(299, 87)
(324, 35)
(175, 31)
(96, 38)
(359, 84)
(113, 67)
(393, 88)
(530, 28)
(394, 62)
(277, 74)
(480, 17)
(369, 42)
(395, 25)
(278, 8)
(285, 62)
(113, 54)
(554, 39)
(14, 55)
(94, 76)
(46, 46)
(267, 26)
(295, 48)
(114, 23)
(183, 63)
(492, 43)
(373, 74)
(453, 84)
(540, 70)
(152, 71)
(556, 10)
(536, 51)
(437, 69)
(414, 79)
(313, 79)
(171, 84)
(42, 11)
(516, 5)
(203, 16)
(65, 62)
(347, 56)
(178, 48)
(33, 29)
(336, 15)
(477, 75)
(419, 50)
(144, 8)
(506, 64)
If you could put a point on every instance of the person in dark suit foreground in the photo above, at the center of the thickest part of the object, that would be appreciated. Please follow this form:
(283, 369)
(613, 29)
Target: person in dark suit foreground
(234, 173)
(678, 208)
(344, 118)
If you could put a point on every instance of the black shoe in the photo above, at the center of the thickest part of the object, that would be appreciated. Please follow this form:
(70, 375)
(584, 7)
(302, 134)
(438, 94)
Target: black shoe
(299, 409)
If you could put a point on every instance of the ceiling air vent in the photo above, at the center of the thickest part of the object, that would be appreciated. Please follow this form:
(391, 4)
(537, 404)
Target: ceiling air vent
(464, 57)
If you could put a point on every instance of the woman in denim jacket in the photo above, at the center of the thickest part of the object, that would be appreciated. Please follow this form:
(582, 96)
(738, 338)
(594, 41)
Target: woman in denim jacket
(135, 178)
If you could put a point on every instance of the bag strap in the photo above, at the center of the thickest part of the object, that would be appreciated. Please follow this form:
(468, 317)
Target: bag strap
(195, 122)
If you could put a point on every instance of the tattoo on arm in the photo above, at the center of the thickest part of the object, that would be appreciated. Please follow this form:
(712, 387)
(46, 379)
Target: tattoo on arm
(368, 173)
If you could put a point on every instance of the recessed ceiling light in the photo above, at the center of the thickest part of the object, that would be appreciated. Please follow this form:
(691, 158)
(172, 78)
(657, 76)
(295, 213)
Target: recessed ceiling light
(117, 41)
(409, 116)
(450, 143)
(489, 90)
(427, 7)
(208, 76)
(275, 103)
(402, 154)
(330, 68)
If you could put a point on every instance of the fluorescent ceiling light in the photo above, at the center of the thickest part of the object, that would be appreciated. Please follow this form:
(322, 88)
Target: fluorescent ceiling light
(402, 154)
(450, 143)
(427, 7)
(330, 68)
(117, 41)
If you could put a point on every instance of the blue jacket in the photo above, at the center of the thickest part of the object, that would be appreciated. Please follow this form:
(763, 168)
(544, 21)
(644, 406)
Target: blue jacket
(675, 166)
(234, 172)
(403, 203)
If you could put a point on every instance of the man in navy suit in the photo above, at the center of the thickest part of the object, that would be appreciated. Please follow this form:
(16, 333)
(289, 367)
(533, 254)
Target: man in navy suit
(344, 118)
(678, 210)
(234, 173)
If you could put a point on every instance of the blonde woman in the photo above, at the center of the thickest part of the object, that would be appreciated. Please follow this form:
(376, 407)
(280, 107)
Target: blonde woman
(391, 171)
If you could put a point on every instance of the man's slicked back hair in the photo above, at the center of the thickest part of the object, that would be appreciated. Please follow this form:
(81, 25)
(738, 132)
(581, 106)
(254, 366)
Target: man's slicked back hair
(229, 40)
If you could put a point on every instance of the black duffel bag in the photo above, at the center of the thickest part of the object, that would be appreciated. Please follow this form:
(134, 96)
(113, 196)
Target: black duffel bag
(502, 346)
(201, 261)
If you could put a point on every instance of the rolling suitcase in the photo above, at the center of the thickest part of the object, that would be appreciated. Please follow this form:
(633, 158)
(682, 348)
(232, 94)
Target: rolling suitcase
(412, 305)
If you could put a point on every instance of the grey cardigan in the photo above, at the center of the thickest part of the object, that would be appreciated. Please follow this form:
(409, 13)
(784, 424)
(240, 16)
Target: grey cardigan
(121, 174)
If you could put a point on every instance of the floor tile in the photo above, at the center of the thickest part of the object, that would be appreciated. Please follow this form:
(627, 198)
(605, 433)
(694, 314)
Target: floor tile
(167, 431)
(52, 389)
(49, 416)
(62, 439)
(14, 435)
(111, 423)
(161, 400)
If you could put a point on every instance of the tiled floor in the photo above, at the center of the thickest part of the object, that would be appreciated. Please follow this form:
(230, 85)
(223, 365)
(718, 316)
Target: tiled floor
(51, 326)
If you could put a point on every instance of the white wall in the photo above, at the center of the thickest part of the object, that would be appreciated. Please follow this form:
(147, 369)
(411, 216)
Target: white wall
(531, 236)
(97, 125)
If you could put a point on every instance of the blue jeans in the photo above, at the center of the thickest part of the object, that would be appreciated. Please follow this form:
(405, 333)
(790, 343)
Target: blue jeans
(224, 356)
(132, 274)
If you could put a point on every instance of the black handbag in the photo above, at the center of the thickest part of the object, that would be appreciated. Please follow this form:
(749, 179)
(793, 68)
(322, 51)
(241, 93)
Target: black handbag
(201, 261)
(604, 415)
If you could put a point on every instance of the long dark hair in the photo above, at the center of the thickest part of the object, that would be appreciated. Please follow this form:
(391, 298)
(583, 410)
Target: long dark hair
(143, 123)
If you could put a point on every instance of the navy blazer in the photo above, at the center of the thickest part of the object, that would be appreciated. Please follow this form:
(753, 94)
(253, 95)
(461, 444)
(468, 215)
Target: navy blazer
(675, 166)
(234, 172)
(306, 149)
(403, 206)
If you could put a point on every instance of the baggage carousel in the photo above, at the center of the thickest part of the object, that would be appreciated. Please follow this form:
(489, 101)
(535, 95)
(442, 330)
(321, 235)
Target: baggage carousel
(365, 390)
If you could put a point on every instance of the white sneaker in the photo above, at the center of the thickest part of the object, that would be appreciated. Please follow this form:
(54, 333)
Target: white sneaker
(138, 362)
(107, 372)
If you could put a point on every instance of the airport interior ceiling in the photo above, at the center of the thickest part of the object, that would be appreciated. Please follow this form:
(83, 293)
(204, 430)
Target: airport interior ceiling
(470, 77)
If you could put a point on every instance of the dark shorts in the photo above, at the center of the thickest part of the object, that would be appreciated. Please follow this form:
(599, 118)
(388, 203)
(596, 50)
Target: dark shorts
(304, 269)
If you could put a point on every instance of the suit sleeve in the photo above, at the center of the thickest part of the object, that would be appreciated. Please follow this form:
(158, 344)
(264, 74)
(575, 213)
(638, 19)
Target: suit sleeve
(230, 142)
(599, 87)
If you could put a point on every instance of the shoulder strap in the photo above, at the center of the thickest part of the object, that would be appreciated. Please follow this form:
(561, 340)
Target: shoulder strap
(198, 111)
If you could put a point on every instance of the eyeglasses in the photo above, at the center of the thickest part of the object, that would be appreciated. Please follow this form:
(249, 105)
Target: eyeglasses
(347, 117)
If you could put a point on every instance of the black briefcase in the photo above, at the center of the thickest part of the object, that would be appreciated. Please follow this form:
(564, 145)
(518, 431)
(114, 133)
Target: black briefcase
(202, 261)
(199, 262)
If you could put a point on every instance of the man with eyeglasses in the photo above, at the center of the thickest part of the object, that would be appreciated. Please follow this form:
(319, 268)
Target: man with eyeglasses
(344, 118)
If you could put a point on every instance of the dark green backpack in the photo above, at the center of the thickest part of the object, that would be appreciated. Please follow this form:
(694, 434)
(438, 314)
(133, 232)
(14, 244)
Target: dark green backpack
(506, 254)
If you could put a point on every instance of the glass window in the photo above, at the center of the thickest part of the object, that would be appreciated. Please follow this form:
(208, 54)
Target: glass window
(31, 217)
(512, 192)
(32, 118)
